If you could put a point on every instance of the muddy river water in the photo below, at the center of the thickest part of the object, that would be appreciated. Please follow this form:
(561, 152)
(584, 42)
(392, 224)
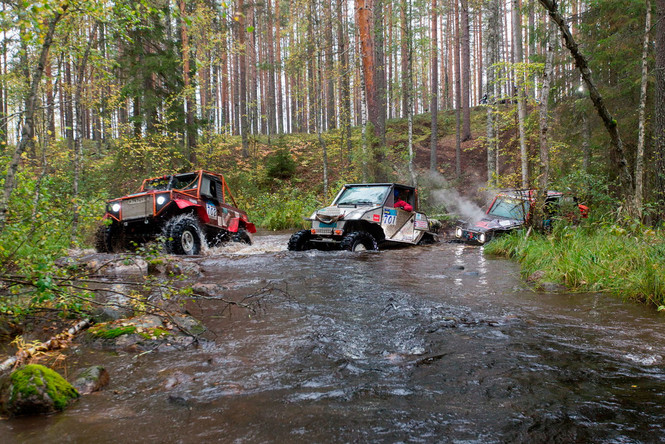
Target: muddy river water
(426, 344)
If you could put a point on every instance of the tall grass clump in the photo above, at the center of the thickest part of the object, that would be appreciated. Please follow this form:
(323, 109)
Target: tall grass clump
(599, 257)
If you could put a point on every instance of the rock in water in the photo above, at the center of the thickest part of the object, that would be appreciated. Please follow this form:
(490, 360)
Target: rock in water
(91, 379)
(34, 389)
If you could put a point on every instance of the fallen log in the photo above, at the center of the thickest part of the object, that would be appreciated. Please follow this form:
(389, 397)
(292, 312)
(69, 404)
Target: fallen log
(56, 342)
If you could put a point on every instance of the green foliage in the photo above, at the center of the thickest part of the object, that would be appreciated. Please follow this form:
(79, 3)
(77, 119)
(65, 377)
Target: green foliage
(285, 208)
(597, 257)
(280, 164)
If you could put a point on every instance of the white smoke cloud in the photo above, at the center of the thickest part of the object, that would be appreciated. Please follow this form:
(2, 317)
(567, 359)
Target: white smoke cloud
(443, 194)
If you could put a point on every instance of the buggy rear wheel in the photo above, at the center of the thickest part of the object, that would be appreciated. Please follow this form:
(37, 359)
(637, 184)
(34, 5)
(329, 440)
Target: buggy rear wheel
(241, 236)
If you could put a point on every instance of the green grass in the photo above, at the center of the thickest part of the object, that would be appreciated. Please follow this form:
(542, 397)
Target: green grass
(599, 257)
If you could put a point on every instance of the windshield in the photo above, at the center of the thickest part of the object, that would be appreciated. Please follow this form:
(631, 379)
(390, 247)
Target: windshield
(509, 208)
(179, 182)
(370, 195)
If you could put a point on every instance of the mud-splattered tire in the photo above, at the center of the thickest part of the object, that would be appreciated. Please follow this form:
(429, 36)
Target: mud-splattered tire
(359, 241)
(108, 239)
(241, 236)
(300, 241)
(183, 235)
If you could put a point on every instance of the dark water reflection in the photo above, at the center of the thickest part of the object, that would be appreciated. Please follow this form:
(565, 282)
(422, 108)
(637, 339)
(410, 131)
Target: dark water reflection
(427, 344)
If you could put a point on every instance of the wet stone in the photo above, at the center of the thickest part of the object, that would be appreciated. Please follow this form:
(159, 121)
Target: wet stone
(91, 379)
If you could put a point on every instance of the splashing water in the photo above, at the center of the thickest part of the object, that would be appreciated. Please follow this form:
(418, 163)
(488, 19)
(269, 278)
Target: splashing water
(270, 243)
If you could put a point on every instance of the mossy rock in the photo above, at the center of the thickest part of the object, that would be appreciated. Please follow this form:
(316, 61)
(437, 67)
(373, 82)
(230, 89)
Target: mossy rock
(35, 389)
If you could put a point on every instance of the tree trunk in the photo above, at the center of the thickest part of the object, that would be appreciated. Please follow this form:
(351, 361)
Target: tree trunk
(189, 94)
(345, 83)
(639, 158)
(78, 141)
(617, 152)
(408, 91)
(368, 14)
(543, 178)
(466, 69)
(458, 96)
(242, 87)
(404, 53)
(434, 98)
(659, 108)
(519, 85)
(492, 58)
(28, 129)
(279, 115)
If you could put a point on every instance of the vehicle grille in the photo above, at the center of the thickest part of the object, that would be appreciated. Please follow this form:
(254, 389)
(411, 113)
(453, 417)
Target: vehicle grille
(137, 208)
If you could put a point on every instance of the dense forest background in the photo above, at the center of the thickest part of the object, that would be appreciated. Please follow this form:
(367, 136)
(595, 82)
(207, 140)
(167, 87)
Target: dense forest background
(288, 98)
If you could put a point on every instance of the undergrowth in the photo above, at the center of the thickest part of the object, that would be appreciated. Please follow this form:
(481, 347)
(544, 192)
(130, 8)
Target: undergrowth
(597, 257)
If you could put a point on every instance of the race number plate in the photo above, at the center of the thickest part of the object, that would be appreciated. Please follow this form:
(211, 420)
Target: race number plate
(389, 216)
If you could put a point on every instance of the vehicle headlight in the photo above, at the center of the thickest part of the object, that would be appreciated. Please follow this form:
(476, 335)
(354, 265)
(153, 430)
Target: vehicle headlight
(458, 232)
(115, 207)
(161, 200)
(482, 238)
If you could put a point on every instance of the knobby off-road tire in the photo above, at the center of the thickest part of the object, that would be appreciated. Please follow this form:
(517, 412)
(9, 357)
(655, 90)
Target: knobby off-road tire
(241, 236)
(359, 241)
(109, 239)
(300, 241)
(183, 235)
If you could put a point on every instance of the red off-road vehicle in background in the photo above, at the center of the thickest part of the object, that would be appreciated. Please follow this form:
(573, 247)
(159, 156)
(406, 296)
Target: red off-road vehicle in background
(186, 209)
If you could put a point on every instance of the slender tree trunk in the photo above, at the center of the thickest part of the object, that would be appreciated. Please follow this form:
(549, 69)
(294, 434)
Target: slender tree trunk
(466, 69)
(458, 96)
(617, 152)
(78, 141)
(543, 178)
(28, 129)
(519, 84)
(242, 87)
(278, 65)
(492, 58)
(331, 118)
(659, 108)
(404, 53)
(345, 83)
(434, 98)
(186, 75)
(408, 91)
(639, 158)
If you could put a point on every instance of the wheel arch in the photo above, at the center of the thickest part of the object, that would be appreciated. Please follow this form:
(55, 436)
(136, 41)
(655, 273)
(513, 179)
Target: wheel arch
(361, 225)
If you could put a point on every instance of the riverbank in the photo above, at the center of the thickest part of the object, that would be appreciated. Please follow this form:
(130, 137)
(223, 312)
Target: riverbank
(596, 257)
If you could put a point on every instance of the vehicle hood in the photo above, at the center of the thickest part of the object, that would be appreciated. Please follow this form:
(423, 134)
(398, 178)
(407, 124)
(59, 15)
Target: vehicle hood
(334, 213)
(493, 224)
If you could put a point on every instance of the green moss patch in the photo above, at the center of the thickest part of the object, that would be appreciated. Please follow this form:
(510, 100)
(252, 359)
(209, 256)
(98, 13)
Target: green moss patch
(107, 331)
(33, 381)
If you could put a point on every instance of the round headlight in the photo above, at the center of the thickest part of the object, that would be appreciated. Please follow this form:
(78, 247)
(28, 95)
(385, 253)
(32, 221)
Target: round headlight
(115, 207)
(161, 200)
(482, 238)
(458, 232)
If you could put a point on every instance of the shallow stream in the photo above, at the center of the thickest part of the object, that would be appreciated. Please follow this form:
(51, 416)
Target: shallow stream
(425, 344)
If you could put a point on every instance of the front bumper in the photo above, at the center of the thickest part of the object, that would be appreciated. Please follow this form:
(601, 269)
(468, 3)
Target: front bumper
(471, 236)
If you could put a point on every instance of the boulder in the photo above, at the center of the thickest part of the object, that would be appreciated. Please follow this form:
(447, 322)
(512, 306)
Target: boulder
(35, 389)
(91, 379)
